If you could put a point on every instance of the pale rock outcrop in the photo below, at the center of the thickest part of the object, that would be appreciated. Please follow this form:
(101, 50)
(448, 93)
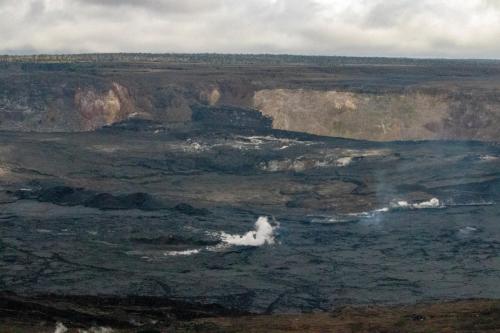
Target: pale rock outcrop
(98, 109)
(355, 115)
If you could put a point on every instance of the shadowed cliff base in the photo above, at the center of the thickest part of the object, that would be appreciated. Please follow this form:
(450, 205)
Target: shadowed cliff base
(44, 314)
(379, 99)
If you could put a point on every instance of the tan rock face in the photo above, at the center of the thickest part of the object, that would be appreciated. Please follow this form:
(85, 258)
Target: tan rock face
(355, 115)
(210, 96)
(4, 171)
(98, 109)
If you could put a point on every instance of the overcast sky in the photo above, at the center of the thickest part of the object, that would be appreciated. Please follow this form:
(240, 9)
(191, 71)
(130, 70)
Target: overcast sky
(415, 28)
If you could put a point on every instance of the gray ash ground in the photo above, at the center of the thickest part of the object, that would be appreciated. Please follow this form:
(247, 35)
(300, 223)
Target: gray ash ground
(140, 209)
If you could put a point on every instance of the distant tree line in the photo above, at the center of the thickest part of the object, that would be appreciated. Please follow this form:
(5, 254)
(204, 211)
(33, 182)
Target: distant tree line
(229, 59)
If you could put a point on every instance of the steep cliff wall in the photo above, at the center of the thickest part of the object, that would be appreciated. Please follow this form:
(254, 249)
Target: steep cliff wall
(67, 103)
(100, 109)
(362, 102)
(382, 117)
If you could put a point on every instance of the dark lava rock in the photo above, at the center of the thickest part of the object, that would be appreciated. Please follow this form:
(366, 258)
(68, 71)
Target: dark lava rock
(174, 240)
(69, 196)
(107, 201)
(78, 311)
(187, 209)
(135, 124)
(417, 317)
(59, 195)
(230, 117)
(63, 195)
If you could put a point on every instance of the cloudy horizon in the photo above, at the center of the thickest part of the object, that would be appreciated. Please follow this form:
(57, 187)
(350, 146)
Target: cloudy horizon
(389, 28)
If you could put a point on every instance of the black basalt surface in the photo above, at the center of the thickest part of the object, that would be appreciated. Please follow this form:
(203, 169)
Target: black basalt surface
(139, 211)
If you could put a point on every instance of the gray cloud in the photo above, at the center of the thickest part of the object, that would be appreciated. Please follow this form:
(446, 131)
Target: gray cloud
(162, 6)
(391, 14)
(437, 28)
